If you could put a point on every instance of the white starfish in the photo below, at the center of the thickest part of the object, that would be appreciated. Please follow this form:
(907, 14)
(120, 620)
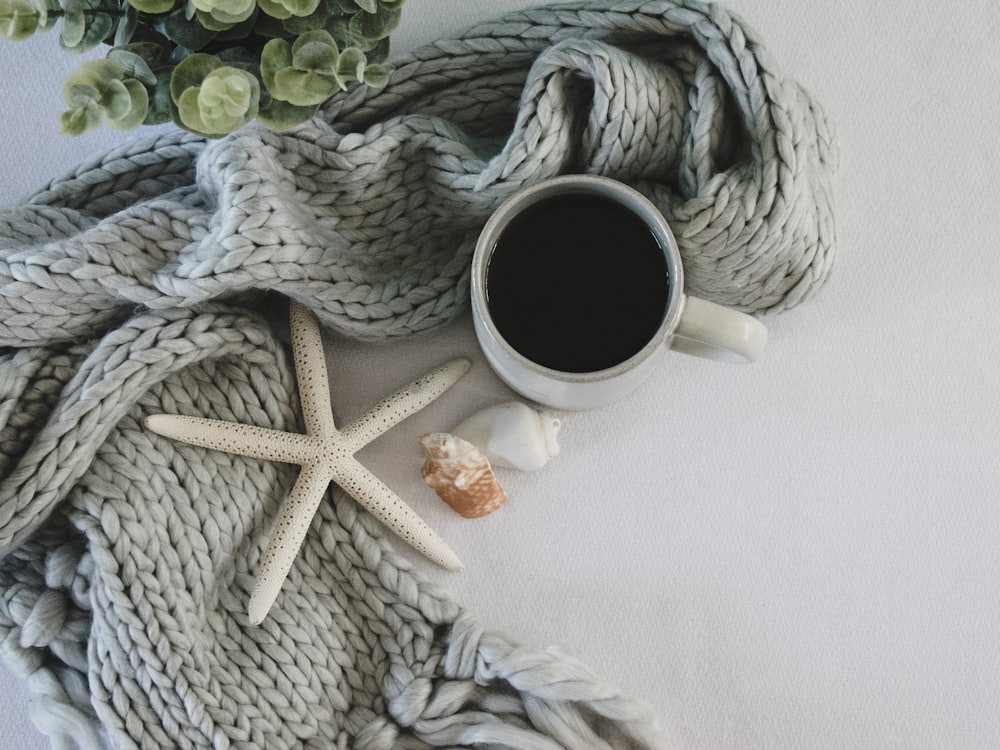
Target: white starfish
(325, 453)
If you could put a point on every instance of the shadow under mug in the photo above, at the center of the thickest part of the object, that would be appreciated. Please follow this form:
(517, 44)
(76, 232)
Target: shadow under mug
(587, 210)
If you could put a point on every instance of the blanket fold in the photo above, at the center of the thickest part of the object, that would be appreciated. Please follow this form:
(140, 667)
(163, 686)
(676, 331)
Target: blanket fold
(134, 285)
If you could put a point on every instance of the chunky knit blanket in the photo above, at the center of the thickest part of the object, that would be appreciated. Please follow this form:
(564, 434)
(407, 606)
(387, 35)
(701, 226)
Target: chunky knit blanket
(139, 284)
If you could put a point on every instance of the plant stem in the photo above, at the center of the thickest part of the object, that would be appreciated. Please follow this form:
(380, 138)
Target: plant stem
(118, 12)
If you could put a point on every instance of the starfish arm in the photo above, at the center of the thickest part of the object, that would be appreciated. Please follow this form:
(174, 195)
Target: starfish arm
(397, 516)
(232, 437)
(407, 400)
(310, 371)
(289, 530)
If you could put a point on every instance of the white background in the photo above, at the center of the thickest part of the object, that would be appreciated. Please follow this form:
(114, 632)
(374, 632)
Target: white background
(802, 553)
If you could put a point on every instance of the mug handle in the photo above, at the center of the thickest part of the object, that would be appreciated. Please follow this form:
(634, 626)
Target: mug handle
(712, 331)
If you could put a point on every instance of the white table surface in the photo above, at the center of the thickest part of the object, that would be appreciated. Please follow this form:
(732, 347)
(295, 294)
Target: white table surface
(803, 553)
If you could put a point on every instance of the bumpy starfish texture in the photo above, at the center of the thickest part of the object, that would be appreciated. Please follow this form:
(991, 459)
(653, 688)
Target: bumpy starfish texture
(325, 454)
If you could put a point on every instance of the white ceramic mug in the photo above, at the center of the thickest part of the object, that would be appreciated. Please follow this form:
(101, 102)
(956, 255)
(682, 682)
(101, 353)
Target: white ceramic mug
(689, 325)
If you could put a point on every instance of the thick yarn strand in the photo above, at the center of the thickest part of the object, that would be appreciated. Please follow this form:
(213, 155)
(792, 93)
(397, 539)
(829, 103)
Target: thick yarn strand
(134, 285)
(369, 213)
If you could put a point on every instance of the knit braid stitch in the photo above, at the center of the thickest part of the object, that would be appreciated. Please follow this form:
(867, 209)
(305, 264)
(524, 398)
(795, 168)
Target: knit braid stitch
(127, 559)
(369, 214)
(125, 609)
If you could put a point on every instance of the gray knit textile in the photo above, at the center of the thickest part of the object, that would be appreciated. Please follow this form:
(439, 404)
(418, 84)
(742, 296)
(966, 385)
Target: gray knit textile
(140, 283)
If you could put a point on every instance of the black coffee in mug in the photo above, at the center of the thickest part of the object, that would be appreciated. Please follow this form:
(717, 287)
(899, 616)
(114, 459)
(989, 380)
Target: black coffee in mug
(576, 282)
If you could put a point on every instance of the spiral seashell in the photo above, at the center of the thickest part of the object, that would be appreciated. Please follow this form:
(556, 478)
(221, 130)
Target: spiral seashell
(512, 435)
(461, 475)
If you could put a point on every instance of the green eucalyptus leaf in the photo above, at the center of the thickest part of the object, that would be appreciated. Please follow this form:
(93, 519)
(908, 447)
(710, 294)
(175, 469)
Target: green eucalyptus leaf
(210, 98)
(296, 25)
(152, 53)
(126, 27)
(305, 87)
(233, 11)
(86, 23)
(368, 6)
(348, 34)
(303, 73)
(226, 99)
(379, 53)
(206, 21)
(378, 25)
(184, 32)
(375, 76)
(301, 8)
(314, 56)
(240, 57)
(276, 55)
(180, 53)
(77, 34)
(19, 19)
(283, 9)
(220, 15)
(159, 98)
(190, 72)
(153, 6)
(94, 74)
(279, 115)
(78, 121)
(134, 115)
(187, 109)
(117, 100)
(213, 22)
(100, 91)
(133, 65)
(48, 19)
(274, 9)
(316, 36)
(101, 28)
(73, 26)
(346, 7)
(81, 96)
(238, 31)
(351, 64)
(229, 97)
(315, 50)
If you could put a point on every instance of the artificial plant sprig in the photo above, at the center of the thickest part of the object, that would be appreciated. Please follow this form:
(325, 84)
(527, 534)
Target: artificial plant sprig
(210, 66)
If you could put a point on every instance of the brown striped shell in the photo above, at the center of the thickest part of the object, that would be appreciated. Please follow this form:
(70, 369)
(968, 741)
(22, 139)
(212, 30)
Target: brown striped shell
(461, 475)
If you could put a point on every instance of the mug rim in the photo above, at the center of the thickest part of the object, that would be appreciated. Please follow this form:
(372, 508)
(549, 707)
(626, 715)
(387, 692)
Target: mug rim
(624, 195)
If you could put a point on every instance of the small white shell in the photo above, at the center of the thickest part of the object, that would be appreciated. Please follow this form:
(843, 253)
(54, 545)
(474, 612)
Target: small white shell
(461, 475)
(512, 435)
